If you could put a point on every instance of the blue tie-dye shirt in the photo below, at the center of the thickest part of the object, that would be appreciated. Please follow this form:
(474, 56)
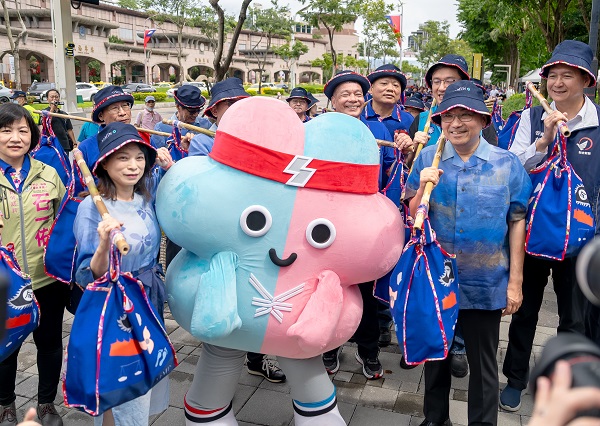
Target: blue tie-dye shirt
(469, 210)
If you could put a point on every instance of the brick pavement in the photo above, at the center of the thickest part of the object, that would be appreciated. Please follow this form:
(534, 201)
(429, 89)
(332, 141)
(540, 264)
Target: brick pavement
(397, 399)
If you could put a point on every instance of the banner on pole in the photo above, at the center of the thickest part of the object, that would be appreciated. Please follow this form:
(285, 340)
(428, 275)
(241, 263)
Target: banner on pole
(147, 35)
(395, 22)
(477, 66)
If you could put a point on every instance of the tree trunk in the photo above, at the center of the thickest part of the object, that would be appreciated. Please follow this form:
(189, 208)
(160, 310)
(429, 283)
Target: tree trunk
(182, 72)
(14, 42)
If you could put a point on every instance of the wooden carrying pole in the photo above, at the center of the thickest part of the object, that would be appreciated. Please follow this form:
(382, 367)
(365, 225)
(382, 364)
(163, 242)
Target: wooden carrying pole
(562, 126)
(191, 127)
(426, 130)
(420, 217)
(119, 239)
(74, 117)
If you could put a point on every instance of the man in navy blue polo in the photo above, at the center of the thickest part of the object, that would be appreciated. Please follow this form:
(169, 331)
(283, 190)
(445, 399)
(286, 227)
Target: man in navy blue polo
(189, 103)
(346, 91)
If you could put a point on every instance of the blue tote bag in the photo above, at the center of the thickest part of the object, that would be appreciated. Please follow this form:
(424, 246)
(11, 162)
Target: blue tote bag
(22, 310)
(423, 296)
(118, 349)
(174, 144)
(560, 220)
(506, 136)
(50, 151)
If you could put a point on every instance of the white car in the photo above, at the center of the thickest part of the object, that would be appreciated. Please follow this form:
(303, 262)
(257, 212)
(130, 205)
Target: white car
(5, 94)
(199, 84)
(86, 90)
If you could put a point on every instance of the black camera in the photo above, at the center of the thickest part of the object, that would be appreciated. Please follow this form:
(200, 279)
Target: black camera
(581, 353)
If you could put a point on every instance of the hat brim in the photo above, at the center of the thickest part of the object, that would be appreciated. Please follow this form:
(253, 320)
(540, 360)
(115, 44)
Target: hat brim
(307, 99)
(102, 105)
(434, 67)
(437, 116)
(415, 107)
(151, 151)
(197, 105)
(561, 60)
(376, 75)
(208, 111)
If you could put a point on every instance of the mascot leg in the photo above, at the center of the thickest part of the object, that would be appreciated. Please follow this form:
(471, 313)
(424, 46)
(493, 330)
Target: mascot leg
(312, 392)
(208, 400)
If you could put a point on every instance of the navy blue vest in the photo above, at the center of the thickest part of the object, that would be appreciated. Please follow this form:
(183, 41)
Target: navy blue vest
(583, 152)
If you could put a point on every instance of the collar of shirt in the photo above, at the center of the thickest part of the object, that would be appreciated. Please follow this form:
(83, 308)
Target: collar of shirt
(7, 170)
(585, 118)
(370, 112)
(482, 152)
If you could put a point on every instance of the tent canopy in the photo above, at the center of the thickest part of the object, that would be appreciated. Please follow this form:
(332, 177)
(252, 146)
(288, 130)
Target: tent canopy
(533, 76)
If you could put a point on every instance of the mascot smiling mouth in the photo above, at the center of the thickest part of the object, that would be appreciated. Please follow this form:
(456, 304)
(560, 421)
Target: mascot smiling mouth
(282, 262)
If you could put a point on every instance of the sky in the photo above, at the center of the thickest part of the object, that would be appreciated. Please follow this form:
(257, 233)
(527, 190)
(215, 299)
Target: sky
(415, 12)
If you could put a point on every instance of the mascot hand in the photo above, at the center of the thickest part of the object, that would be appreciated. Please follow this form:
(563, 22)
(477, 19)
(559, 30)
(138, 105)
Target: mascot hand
(215, 309)
(318, 321)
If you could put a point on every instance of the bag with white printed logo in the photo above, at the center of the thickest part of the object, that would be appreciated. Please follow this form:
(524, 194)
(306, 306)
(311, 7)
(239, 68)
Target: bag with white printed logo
(560, 220)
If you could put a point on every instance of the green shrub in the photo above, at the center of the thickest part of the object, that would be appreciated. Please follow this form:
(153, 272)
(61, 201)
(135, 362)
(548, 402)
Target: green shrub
(514, 103)
(160, 97)
(272, 91)
(312, 88)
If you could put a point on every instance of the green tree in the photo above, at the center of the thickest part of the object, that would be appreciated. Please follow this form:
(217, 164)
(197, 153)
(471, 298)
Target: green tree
(14, 40)
(435, 43)
(379, 40)
(290, 53)
(269, 23)
(331, 15)
(409, 69)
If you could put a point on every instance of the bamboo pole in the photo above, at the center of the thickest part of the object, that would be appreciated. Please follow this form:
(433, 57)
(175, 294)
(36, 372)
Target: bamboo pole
(88, 120)
(426, 130)
(119, 239)
(562, 126)
(421, 213)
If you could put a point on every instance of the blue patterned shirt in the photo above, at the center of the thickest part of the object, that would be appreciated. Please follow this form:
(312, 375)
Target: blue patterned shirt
(470, 210)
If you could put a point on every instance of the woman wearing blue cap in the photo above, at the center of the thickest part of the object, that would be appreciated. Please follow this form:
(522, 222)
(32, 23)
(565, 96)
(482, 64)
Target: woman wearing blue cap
(478, 210)
(568, 72)
(123, 170)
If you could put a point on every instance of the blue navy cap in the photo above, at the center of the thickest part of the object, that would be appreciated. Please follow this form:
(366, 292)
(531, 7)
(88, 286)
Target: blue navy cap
(18, 93)
(574, 54)
(388, 70)
(116, 135)
(229, 89)
(343, 77)
(313, 100)
(414, 102)
(451, 60)
(462, 94)
(189, 96)
(478, 83)
(108, 96)
(300, 93)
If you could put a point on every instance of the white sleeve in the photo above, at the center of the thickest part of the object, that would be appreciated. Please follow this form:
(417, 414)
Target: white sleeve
(522, 146)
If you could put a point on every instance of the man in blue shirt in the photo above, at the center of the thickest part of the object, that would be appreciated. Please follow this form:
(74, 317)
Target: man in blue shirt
(478, 210)
(189, 102)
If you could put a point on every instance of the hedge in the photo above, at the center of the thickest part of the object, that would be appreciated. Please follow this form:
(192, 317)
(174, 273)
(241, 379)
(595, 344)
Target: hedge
(514, 103)
(141, 96)
(312, 88)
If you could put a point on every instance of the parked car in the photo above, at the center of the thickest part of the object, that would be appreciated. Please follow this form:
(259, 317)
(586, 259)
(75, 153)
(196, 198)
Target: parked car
(5, 94)
(282, 86)
(39, 91)
(86, 91)
(199, 84)
(138, 87)
(253, 89)
(163, 84)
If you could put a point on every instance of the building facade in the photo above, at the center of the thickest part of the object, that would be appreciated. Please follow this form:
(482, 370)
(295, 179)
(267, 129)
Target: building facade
(109, 46)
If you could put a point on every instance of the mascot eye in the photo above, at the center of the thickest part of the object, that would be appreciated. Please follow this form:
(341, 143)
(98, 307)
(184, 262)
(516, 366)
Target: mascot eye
(320, 233)
(256, 221)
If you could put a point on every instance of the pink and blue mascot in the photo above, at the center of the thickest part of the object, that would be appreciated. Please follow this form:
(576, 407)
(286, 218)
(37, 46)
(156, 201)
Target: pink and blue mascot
(277, 226)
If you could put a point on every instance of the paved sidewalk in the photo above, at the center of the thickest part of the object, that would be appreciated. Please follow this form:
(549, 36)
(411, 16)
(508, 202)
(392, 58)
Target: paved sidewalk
(396, 400)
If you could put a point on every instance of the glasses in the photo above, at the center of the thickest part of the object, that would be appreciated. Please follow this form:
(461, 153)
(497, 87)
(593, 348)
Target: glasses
(193, 111)
(447, 81)
(463, 118)
(115, 108)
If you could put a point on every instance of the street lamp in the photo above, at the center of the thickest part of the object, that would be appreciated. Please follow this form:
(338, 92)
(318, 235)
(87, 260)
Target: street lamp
(293, 40)
(507, 71)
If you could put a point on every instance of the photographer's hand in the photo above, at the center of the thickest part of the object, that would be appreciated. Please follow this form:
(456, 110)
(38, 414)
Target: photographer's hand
(557, 404)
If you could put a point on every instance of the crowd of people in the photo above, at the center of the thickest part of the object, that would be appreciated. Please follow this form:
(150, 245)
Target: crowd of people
(478, 209)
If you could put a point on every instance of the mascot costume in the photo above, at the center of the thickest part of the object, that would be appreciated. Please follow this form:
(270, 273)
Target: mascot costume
(277, 226)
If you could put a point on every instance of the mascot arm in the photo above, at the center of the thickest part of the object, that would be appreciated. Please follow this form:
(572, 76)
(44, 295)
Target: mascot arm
(215, 308)
(317, 323)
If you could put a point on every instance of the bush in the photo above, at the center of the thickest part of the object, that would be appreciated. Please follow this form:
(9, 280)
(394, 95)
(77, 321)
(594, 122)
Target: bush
(140, 96)
(312, 88)
(272, 91)
(514, 103)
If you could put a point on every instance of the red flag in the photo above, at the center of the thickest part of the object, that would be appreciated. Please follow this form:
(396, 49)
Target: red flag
(147, 35)
(395, 22)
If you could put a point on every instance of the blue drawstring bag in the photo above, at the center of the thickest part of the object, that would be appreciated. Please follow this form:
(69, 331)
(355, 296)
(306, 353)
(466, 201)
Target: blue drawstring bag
(118, 349)
(22, 310)
(50, 151)
(497, 120)
(507, 135)
(423, 297)
(560, 220)
(174, 144)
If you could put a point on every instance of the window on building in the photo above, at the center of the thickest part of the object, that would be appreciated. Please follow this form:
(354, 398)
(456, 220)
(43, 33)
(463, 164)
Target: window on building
(125, 33)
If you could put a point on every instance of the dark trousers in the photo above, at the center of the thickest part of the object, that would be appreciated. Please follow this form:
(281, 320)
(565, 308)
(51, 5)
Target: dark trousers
(522, 326)
(366, 335)
(48, 341)
(171, 250)
(481, 331)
